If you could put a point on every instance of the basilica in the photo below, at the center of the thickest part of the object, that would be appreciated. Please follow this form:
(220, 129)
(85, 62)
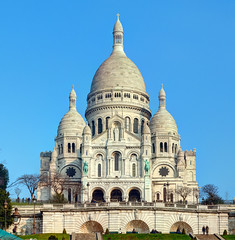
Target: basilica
(122, 152)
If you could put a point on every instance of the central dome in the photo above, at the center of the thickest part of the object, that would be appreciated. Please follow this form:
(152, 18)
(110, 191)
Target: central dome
(118, 71)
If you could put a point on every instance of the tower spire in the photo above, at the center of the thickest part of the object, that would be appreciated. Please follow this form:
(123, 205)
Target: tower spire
(162, 98)
(118, 36)
(72, 99)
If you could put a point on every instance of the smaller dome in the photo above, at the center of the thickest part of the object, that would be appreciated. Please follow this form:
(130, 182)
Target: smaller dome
(146, 129)
(118, 26)
(87, 130)
(162, 121)
(71, 124)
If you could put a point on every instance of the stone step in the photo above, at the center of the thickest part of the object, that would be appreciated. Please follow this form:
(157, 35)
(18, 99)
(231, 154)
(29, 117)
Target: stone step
(206, 237)
(87, 236)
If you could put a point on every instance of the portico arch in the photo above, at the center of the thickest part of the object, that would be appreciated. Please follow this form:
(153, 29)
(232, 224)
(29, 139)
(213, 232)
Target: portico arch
(134, 195)
(98, 195)
(91, 227)
(116, 195)
(179, 226)
(137, 225)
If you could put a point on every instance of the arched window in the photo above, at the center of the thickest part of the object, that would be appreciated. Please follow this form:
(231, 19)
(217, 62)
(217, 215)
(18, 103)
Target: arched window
(165, 147)
(69, 195)
(142, 125)
(100, 126)
(80, 148)
(173, 146)
(133, 170)
(118, 39)
(176, 148)
(61, 148)
(127, 123)
(153, 147)
(172, 197)
(164, 194)
(158, 196)
(161, 147)
(69, 148)
(99, 170)
(116, 161)
(73, 147)
(107, 122)
(93, 128)
(135, 125)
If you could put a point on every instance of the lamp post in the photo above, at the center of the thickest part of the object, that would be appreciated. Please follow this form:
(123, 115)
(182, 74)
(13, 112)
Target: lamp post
(34, 202)
(167, 192)
(5, 208)
(17, 217)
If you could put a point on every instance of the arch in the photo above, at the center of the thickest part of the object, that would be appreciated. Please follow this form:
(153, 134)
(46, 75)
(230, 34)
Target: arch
(116, 195)
(136, 125)
(100, 126)
(98, 195)
(134, 195)
(161, 147)
(137, 225)
(165, 146)
(179, 226)
(91, 227)
(73, 147)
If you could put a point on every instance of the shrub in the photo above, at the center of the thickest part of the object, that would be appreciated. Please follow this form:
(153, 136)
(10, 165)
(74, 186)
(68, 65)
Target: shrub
(107, 231)
(64, 231)
(63, 238)
(183, 231)
(225, 232)
(52, 237)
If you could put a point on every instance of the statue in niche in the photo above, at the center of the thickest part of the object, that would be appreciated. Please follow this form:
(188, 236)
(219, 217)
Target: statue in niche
(146, 167)
(85, 168)
(116, 133)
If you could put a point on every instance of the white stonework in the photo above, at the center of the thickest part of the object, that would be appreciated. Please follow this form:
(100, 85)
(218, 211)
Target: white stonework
(118, 143)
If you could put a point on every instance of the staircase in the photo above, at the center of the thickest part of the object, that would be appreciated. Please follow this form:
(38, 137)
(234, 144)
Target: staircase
(87, 236)
(206, 237)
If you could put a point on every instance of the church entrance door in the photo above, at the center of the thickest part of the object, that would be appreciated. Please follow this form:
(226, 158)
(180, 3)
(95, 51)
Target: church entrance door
(116, 195)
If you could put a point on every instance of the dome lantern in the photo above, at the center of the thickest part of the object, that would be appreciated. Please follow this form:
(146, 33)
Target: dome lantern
(162, 98)
(72, 99)
(118, 36)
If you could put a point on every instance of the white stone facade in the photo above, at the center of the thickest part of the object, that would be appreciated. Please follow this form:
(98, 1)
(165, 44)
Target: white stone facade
(119, 142)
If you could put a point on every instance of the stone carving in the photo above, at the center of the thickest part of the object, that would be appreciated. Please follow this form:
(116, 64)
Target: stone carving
(116, 134)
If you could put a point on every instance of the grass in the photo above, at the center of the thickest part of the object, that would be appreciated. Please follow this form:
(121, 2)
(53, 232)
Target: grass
(133, 236)
(229, 237)
(45, 236)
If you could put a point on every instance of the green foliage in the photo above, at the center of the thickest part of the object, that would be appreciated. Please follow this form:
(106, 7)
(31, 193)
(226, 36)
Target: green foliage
(64, 231)
(58, 198)
(225, 232)
(107, 231)
(45, 236)
(183, 231)
(4, 195)
(63, 238)
(229, 237)
(52, 237)
(4, 177)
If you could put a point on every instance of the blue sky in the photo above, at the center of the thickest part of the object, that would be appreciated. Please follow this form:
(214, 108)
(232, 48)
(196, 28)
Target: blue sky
(189, 46)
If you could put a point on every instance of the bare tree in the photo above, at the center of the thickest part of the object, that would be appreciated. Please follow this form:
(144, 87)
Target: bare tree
(210, 194)
(183, 192)
(30, 181)
(17, 192)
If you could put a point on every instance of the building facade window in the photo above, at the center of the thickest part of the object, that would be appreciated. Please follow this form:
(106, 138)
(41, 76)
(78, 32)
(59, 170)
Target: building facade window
(142, 125)
(61, 148)
(99, 170)
(73, 147)
(69, 147)
(135, 125)
(116, 161)
(153, 148)
(161, 147)
(93, 128)
(100, 126)
(127, 123)
(173, 147)
(165, 147)
(133, 170)
(107, 122)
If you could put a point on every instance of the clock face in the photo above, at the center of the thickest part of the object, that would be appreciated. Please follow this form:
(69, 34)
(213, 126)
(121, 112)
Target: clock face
(163, 171)
(70, 171)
